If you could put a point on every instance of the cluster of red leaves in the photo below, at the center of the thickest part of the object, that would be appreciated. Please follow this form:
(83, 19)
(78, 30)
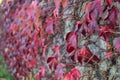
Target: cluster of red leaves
(28, 28)
(26, 37)
(22, 39)
(94, 13)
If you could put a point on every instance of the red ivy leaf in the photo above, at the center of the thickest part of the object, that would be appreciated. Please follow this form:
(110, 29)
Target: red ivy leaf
(105, 31)
(74, 74)
(49, 26)
(113, 15)
(116, 43)
(85, 54)
(93, 10)
(109, 2)
(52, 61)
(88, 9)
(68, 77)
(71, 41)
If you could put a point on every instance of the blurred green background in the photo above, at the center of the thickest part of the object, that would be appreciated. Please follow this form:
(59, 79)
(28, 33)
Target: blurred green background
(4, 75)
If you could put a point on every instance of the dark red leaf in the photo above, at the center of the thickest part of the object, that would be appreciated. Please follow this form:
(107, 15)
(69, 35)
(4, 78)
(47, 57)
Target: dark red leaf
(70, 48)
(75, 73)
(71, 41)
(86, 56)
(52, 61)
(109, 2)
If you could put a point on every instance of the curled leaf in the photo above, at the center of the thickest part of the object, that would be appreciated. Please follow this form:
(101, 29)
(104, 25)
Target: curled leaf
(71, 41)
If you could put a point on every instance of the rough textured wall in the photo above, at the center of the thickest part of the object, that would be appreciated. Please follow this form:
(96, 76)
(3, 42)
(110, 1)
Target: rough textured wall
(106, 69)
(109, 69)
